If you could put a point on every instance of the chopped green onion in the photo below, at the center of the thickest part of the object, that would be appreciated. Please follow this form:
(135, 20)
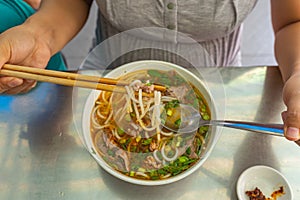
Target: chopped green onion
(178, 122)
(131, 173)
(169, 112)
(147, 141)
(133, 148)
(122, 141)
(183, 159)
(138, 138)
(120, 131)
(188, 151)
(206, 117)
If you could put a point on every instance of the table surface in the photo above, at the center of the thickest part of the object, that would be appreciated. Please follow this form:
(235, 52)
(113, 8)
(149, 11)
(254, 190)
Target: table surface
(42, 156)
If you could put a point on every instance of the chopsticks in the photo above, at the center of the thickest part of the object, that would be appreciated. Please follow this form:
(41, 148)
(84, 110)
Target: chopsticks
(67, 78)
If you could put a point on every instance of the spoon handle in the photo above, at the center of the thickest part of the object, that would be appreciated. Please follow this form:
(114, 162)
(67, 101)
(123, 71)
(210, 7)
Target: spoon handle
(273, 129)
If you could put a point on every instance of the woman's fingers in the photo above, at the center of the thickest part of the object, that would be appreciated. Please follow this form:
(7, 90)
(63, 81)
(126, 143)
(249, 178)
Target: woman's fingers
(291, 117)
(291, 123)
(12, 85)
(7, 83)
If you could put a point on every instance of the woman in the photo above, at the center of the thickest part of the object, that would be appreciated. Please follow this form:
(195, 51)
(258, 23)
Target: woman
(214, 24)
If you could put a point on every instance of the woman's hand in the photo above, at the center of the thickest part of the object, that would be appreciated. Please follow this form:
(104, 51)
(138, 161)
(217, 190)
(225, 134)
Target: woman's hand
(286, 25)
(42, 35)
(19, 45)
(291, 117)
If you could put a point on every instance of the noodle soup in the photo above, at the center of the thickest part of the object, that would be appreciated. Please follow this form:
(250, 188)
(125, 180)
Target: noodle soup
(127, 132)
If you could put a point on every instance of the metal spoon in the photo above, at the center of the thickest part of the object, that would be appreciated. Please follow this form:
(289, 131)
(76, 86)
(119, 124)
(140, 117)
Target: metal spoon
(191, 120)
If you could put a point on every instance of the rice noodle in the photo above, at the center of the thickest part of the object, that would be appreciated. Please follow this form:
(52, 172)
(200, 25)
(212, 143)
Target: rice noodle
(137, 114)
(155, 156)
(109, 117)
(136, 84)
(117, 113)
(131, 94)
(118, 99)
(94, 118)
(98, 102)
(147, 108)
(103, 97)
(134, 126)
(157, 96)
(141, 101)
(168, 98)
(142, 174)
(109, 109)
(115, 133)
(128, 106)
(166, 176)
(146, 128)
(96, 112)
(166, 133)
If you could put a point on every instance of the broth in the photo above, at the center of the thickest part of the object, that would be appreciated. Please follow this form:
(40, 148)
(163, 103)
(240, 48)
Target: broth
(126, 128)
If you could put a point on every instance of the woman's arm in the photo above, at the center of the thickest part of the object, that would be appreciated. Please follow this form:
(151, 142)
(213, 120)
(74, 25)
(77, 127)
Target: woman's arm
(58, 21)
(286, 24)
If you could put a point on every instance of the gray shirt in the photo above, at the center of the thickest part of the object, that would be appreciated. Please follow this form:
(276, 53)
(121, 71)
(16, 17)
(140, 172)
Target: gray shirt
(215, 25)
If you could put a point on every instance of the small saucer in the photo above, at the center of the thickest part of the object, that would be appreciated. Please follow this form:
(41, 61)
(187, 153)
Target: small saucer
(264, 178)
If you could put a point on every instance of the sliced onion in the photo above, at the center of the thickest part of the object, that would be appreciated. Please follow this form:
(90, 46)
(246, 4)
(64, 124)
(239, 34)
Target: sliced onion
(168, 158)
(155, 156)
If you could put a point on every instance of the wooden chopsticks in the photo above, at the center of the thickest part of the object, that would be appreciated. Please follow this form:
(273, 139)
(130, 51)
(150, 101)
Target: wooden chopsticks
(67, 78)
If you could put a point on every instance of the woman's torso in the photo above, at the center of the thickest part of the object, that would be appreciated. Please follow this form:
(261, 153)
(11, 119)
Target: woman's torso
(213, 23)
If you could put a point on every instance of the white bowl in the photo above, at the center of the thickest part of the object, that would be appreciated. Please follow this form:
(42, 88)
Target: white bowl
(159, 65)
(266, 179)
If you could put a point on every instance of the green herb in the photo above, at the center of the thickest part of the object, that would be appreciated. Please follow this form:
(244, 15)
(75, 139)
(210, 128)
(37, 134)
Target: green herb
(133, 148)
(206, 117)
(120, 131)
(195, 103)
(179, 80)
(177, 122)
(203, 129)
(147, 141)
(110, 152)
(154, 73)
(128, 141)
(172, 104)
(183, 159)
(188, 151)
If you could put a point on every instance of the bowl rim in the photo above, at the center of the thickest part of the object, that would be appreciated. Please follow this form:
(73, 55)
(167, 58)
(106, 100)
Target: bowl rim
(123, 69)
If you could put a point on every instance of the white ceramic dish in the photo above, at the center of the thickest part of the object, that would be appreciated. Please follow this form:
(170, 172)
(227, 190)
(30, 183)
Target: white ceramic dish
(148, 64)
(266, 179)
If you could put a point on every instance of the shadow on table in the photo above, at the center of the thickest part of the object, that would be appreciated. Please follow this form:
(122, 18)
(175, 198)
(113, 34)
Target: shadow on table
(46, 112)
